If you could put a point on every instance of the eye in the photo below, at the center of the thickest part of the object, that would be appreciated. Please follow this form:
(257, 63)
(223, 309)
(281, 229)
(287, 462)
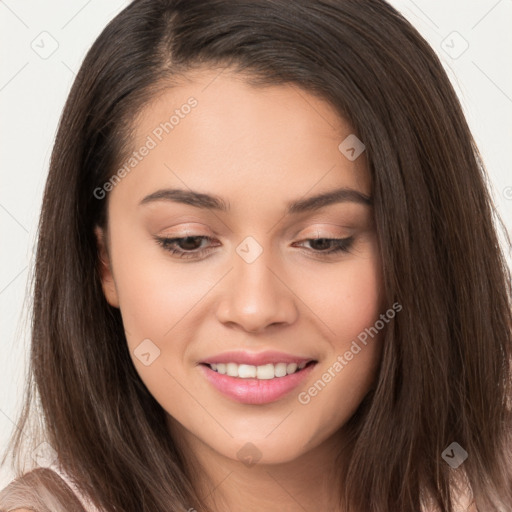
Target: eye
(185, 247)
(190, 247)
(326, 246)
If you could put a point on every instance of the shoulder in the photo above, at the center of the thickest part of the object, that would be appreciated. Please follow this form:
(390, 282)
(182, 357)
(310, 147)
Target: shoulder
(40, 490)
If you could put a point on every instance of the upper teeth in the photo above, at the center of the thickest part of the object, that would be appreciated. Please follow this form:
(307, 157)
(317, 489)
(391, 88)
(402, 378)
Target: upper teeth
(248, 371)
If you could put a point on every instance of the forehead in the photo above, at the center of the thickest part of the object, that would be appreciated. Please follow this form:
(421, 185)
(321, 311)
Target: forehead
(216, 132)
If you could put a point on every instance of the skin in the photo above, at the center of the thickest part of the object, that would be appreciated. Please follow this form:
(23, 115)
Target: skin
(257, 148)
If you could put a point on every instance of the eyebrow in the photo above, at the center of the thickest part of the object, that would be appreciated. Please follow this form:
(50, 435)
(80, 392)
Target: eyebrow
(202, 200)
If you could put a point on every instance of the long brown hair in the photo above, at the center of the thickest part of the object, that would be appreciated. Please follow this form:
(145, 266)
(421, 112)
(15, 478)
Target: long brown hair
(445, 374)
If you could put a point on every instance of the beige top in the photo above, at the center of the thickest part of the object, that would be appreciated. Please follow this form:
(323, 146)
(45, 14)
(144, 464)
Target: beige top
(85, 502)
(51, 490)
(44, 490)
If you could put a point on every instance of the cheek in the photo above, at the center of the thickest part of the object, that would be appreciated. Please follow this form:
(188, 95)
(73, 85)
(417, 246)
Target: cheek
(347, 296)
(154, 292)
(350, 306)
(155, 297)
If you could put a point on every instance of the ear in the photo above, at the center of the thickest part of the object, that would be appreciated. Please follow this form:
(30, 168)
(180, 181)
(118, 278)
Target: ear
(105, 268)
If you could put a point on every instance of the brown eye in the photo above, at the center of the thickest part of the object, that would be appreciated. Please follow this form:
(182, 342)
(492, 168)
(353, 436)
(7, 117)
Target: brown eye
(184, 247)
(330, 245)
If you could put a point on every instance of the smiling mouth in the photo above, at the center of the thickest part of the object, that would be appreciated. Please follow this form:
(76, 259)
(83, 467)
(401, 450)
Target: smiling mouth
(261, 372)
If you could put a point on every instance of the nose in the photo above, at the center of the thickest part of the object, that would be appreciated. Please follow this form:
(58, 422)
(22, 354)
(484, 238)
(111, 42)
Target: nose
(256, 296)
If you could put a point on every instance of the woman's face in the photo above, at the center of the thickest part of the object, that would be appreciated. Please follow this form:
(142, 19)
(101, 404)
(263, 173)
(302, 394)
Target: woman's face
(220, 335)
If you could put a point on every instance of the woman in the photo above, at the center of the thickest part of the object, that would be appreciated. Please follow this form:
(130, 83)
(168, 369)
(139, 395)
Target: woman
(267, 273)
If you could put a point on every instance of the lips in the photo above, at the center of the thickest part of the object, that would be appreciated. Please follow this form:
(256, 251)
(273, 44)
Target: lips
(256, 378)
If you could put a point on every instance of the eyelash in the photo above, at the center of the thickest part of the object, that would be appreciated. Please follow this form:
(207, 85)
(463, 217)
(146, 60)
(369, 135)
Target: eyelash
(169, 244)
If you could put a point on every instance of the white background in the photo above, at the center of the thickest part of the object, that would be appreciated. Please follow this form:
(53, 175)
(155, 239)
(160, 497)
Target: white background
(33, 90)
